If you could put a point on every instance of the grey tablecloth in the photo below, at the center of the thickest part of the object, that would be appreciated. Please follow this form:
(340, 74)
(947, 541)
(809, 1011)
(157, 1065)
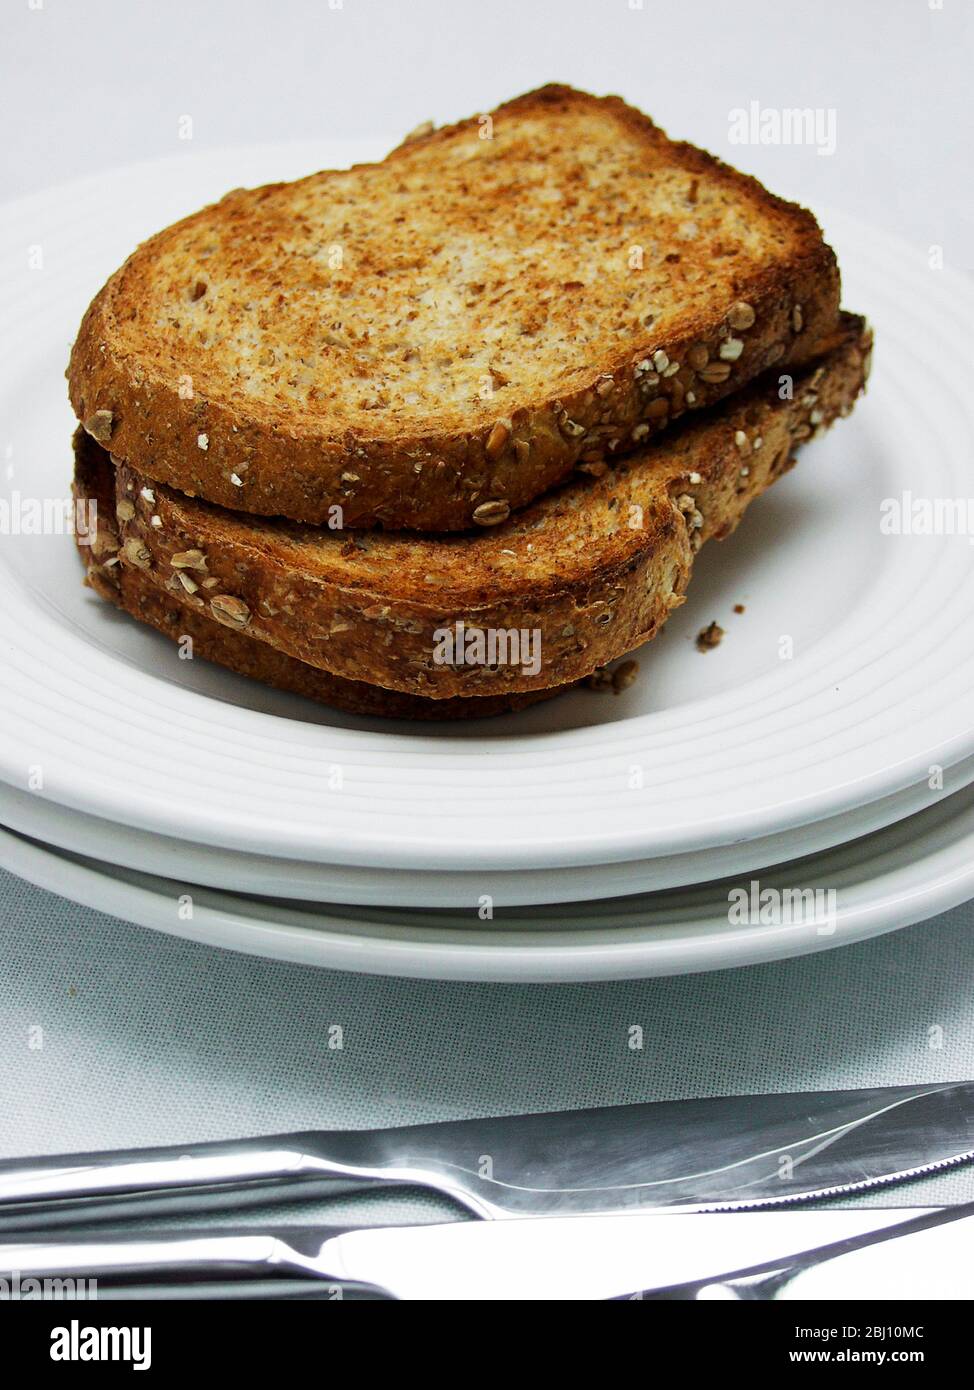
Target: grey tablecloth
(147, 1039)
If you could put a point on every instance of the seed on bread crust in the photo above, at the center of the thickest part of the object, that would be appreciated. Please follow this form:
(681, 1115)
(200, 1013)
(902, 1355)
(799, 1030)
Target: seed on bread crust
(137, 554)
(731, 349)
(100, 425)
(715, 373)
(698, 356)
(498, 439)
(230, 611)
(188, 560)
(741, 315)
(124, 510)
(797, 318)
(492, 513)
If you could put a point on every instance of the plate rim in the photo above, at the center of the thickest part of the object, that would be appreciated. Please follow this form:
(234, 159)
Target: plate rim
(924, 890)
(77, 832)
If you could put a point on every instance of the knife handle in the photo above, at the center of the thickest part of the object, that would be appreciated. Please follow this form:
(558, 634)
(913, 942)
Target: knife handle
(44, 1192)
(240, 1262)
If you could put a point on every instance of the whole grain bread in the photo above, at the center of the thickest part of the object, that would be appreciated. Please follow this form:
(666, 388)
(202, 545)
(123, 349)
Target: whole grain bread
(129, 589)
(436, 340)
(592, 569)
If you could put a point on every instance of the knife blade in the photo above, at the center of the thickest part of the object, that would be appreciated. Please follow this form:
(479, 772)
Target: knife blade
(567, 1257)
(721, 1152)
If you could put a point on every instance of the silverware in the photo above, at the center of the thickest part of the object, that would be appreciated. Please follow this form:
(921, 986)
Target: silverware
(930, 1263)
(573, 1257)
(725, 1152)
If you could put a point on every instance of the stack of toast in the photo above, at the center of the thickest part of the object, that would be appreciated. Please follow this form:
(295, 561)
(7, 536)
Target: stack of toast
(441, 436)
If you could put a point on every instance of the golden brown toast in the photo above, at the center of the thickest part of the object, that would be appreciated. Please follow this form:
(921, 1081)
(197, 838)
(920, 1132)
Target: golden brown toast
(589, 571)
(436, 340)
(128, 588)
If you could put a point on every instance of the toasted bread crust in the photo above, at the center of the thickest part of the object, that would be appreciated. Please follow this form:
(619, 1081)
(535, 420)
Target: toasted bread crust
(127, 588)
(595, 569)
(156, 367)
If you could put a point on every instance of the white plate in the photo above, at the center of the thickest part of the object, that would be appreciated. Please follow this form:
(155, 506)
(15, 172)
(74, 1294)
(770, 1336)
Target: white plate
(732, 745)
(306, 881)
(896, 876)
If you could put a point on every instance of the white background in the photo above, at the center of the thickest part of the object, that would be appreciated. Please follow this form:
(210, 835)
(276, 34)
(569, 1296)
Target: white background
(88, 84)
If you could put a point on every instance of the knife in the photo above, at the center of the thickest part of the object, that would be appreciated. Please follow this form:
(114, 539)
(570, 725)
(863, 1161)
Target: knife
(723, 1152)
(566, 1257)
(932, 1264)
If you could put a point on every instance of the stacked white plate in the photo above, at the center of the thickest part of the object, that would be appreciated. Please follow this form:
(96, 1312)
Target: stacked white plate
(827, 744)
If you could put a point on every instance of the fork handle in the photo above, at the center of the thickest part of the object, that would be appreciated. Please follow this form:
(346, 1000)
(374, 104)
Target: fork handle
(194, 1259)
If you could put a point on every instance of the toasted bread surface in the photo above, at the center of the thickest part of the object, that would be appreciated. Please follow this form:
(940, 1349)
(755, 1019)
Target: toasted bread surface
(431, 341)
(593, 569)
(128, 588)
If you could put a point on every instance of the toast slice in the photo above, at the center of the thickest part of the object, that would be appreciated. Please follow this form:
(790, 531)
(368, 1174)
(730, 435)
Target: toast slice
(129, 589)
(578, 578)
(433, 341)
